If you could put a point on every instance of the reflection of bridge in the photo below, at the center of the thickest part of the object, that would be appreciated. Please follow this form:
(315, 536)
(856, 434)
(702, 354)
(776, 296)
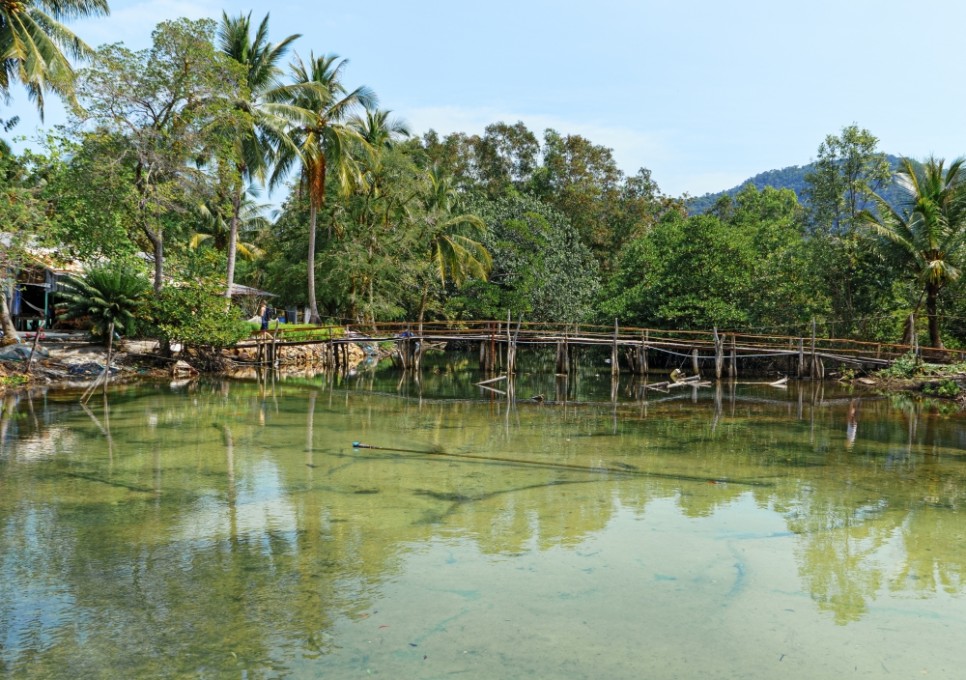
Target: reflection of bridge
(634, 349)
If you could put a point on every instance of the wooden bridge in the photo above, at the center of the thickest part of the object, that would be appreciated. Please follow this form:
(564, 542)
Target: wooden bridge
(632, 349)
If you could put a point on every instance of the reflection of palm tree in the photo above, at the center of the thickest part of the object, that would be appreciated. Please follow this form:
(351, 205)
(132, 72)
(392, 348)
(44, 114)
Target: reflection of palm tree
(928, 226)
(324, 140)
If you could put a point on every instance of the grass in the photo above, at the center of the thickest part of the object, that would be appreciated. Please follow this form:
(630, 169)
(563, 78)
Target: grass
(294, 332)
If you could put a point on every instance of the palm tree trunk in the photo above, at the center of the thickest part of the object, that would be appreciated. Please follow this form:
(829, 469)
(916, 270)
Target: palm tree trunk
(10, 336)
(233, 238)
(313, 306)
(932, 298)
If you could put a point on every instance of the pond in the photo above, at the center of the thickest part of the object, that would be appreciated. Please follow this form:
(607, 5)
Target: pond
(232, 530)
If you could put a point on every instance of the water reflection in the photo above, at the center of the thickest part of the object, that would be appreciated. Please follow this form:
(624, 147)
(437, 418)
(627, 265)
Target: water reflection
(232, 527)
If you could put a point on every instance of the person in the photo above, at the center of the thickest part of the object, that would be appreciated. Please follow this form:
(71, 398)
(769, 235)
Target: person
(263, 313)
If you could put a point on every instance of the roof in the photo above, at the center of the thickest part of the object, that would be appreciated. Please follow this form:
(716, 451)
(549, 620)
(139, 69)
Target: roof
(239, 290)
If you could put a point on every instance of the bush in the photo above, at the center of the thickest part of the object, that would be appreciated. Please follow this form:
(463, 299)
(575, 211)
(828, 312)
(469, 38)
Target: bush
(107, 297)
(905, 366)
(196, 315)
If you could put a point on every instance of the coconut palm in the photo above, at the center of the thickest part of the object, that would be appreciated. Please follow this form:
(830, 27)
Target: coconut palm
(456, 252)
(216, 226)
(379, 129)
(326, 144)
(33, 43)
(266, 121)
(928, 226)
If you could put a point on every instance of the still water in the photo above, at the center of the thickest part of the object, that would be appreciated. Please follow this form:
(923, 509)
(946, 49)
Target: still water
(231, 530)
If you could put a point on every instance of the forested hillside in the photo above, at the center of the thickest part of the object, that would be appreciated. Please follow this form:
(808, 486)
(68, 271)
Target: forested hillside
(793, 177)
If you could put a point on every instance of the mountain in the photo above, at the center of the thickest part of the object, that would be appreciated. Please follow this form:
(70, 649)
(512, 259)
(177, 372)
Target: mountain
(792, 177)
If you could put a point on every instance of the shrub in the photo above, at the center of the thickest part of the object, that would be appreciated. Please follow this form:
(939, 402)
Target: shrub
(107, 297)
(196, 315)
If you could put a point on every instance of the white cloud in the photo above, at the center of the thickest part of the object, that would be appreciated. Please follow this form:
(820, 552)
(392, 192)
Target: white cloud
(133, 23)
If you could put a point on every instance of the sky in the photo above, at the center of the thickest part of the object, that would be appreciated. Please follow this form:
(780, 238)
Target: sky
(704, 93)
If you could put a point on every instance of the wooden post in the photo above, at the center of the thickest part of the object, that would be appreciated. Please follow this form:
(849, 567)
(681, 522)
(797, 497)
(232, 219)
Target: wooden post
(814, 371)
(509, 345)
(615, 367)
(801, 357)
(733, 368)
(694, 362)
(420, 341)
(644, 348)
(718, 354)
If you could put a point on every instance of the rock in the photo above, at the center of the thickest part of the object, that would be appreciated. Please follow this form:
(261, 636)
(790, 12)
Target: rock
(182, 369)
(20, 352)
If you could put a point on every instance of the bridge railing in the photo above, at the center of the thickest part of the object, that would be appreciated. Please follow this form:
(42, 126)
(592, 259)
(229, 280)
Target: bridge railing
(705, 341)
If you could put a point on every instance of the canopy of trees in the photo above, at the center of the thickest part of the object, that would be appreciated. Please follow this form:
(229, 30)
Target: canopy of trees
(170, 149)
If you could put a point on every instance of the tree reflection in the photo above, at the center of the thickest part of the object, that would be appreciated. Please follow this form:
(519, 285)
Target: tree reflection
(213, 532)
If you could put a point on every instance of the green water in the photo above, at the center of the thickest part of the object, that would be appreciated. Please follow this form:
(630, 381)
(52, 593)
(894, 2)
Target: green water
(231, 530)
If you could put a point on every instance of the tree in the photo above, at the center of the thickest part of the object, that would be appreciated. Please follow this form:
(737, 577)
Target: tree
(581, 180)
(155, 113)
(195, 315)
(324, 141)
(455, 252)
(33, 41)
(215, 229)
(541, 269)
(928, 227)
(23, 216)
(265, 121)
(848, 171)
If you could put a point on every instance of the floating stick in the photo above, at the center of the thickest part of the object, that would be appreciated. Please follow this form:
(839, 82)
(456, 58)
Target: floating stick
(617, 469)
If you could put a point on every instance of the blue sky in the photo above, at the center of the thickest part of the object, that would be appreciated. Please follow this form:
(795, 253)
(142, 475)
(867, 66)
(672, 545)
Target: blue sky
(704, 93)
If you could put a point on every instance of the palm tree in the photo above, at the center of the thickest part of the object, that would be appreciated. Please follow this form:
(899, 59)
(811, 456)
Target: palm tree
(928, 226)
(266, 121)
(215, 228)
(455, 251)
(325, 143)
(33, 41)
(379, 130)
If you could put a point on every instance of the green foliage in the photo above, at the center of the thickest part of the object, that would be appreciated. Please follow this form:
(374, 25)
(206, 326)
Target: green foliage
(15, 380)
(34, 45)
(541, 269)
(110, 297)
(746, 267)
(164, 111)
(947, 389)
(927, 229)
(195, 314)
(849, 170)
(906, 366)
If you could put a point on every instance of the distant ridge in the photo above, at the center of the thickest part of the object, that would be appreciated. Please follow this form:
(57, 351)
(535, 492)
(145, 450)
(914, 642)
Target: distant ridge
(792, 177)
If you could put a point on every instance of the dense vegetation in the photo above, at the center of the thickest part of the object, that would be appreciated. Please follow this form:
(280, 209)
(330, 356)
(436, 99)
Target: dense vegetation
(162, 166)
